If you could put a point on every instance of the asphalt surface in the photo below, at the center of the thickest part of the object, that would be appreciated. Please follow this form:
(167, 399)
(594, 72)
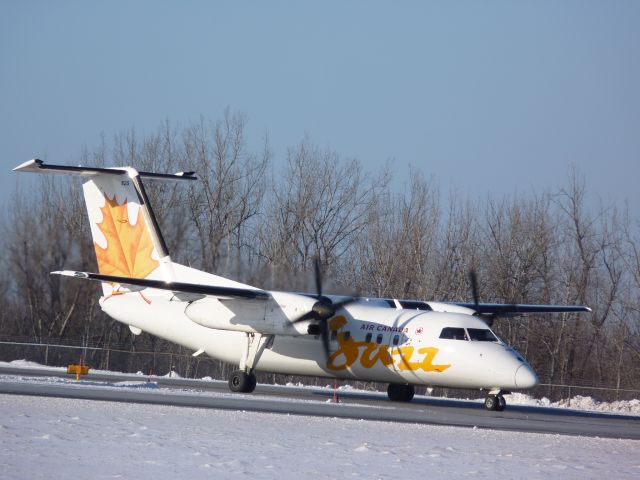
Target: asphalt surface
(317, 402)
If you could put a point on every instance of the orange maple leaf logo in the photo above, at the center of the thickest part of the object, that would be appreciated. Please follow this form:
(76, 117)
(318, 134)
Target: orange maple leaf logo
(129, 247)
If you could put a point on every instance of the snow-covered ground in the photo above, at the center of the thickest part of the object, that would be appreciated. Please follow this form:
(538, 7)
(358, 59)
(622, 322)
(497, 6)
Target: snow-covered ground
(78, 439)
(63, 438)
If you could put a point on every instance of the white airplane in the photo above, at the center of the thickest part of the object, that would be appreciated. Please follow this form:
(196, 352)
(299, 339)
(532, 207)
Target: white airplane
(402, 343)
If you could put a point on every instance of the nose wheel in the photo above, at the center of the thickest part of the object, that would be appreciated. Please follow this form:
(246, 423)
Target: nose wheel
(495, 402)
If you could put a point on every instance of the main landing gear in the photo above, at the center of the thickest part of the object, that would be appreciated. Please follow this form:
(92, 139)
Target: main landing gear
(243, 380)
(495, 401)
(401, 392)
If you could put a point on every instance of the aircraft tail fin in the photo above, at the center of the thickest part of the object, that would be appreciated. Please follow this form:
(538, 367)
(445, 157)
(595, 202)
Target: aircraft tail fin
(126, 236)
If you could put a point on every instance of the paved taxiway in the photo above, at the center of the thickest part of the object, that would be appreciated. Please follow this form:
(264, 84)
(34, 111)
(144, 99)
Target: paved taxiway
(316, 402)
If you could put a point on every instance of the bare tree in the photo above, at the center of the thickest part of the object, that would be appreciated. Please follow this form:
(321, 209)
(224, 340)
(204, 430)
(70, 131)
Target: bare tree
(318, 209)
(457, 251)
(392, 255)
(224, 205)
(409, 244)
(40, 238)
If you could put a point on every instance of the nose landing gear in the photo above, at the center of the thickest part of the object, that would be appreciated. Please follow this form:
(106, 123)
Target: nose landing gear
(495, 401)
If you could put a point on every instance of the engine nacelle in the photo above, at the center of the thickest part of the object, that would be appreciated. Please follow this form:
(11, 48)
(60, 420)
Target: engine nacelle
(270, 317)
(450, 308)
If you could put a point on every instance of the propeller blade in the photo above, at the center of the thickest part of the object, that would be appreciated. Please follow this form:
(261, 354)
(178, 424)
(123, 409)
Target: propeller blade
(316, 264)
(344, 303)
(473, 279)
(324, 334)
(324, 324)
(323, 310)
(310, 315)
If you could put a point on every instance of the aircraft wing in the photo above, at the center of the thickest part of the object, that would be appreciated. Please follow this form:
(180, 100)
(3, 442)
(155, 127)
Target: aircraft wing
(517, 309)
(178, 287)
(486, 309)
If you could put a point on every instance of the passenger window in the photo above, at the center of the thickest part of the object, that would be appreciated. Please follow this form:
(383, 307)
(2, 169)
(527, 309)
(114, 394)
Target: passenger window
(379, 338)
(368, 337)
(452, 333)
(481, 335)
(346, 336)
(334, 334)
(396, 339)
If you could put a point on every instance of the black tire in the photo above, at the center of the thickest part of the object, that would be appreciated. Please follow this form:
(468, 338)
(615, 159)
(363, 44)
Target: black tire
(242, 382)
(394, 393)
(254, 382)
(491, 402)
(409, 392)
(400, 392)
(502, 403)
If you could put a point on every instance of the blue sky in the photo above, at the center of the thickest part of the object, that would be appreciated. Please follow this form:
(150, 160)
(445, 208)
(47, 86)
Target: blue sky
(489, 97)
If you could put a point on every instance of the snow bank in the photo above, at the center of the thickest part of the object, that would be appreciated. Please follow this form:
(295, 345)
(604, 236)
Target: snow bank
(623, 407)
(28, 364)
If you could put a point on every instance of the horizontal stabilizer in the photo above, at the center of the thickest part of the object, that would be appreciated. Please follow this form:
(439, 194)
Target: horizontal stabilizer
(38, 166)
(192, 288)
(517, 309)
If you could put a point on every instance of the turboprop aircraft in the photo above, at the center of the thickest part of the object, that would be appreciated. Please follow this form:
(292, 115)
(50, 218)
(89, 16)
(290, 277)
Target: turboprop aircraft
(400, 342)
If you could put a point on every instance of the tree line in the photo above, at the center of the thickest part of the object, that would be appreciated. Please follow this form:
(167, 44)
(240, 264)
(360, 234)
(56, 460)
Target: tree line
(263, 222)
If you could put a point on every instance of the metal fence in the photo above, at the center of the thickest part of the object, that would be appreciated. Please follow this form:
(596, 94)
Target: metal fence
(117, 358)
(129, 359)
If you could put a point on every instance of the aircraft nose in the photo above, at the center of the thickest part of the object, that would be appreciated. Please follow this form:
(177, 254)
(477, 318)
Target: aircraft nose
(526, 377)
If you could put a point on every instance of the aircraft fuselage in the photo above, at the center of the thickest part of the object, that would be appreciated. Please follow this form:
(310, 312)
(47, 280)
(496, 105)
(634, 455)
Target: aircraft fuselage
(367, 343)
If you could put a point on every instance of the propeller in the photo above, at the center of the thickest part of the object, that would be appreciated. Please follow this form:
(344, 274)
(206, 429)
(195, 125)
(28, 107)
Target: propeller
(323, 309)
(473, 280)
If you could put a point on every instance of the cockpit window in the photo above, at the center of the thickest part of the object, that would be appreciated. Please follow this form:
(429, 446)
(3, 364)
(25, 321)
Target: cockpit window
(452, 333)
(481, 335)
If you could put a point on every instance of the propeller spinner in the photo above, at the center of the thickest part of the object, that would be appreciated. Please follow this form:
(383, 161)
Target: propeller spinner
(323, 310)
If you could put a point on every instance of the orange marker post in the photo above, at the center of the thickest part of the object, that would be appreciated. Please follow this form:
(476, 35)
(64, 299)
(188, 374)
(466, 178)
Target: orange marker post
(79, 370)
